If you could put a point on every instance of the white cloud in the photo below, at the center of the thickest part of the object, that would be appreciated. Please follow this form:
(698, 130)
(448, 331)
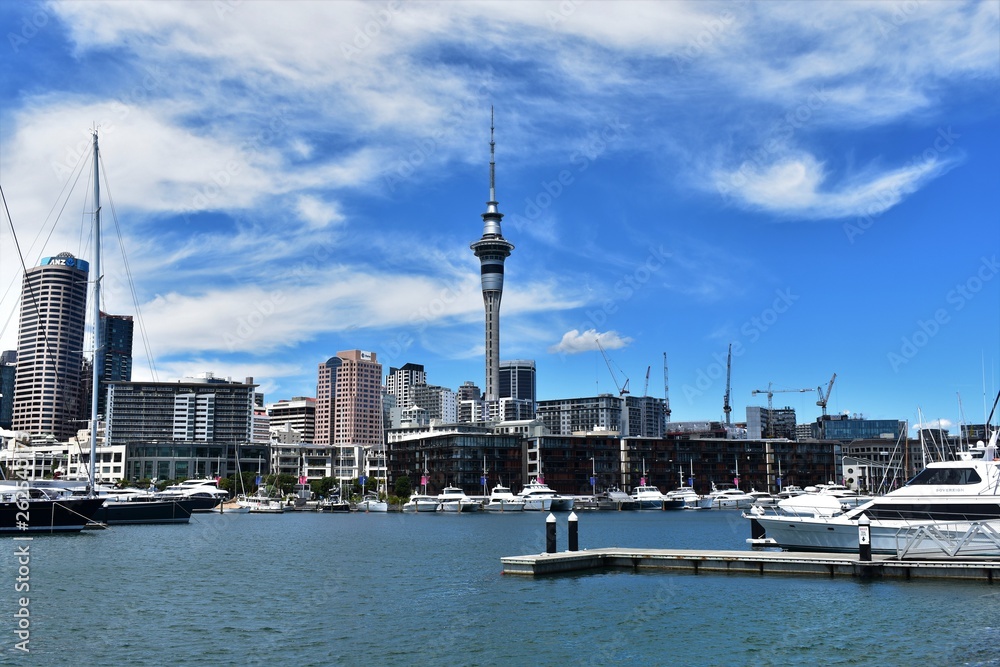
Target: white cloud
(318, 213)
(799, 186)
(575, 342)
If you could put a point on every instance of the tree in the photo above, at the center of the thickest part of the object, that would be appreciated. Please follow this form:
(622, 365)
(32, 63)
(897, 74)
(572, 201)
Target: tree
(402, 486)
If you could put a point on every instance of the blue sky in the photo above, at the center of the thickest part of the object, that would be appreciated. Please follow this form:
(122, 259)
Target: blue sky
(815, 183)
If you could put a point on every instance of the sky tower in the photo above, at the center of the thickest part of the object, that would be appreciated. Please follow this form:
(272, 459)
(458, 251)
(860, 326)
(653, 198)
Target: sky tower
(492, 250)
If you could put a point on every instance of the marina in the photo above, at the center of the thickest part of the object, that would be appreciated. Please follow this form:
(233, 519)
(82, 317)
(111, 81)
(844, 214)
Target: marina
(348, 585)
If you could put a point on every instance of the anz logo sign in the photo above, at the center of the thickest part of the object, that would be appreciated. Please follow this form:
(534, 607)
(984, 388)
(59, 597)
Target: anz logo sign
(70, 261)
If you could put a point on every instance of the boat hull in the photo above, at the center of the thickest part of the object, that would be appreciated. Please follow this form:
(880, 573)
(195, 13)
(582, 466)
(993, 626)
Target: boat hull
(125, 512)
(538, 504)
(504, 505)
(68, 515)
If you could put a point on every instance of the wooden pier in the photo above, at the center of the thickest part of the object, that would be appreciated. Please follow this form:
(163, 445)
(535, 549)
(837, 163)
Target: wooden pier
(753, 562)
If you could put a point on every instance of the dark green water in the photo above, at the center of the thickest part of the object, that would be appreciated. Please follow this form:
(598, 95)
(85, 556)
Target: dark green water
(320, 589)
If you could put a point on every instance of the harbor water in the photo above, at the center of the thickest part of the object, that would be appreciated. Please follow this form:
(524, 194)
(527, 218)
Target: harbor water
(348, 589)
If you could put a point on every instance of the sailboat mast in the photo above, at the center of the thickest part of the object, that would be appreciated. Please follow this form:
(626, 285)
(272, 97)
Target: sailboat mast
(96, 309)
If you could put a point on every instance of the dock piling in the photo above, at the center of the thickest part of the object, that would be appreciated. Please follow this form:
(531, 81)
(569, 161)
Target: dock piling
(574, 540)
(550, 534)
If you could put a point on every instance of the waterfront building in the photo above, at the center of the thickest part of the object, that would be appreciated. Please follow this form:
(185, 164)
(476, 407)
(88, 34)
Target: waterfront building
(47, 397)
(492, 250)
(194, 427)
(298, 412)
(567, 462)
(302, 459)
(66, 460)
(349, 409)
(455, 455)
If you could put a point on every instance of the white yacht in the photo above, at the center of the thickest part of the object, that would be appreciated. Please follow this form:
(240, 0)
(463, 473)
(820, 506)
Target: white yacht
(421, 503)
(691, 499)
(261, 503)
(453, 499)
(371, 503)
(615, 499)
(952, 495)
(205, 490)
(651, 498)
(502, 500)
(538, 496)
(729, 498)
(761, 498)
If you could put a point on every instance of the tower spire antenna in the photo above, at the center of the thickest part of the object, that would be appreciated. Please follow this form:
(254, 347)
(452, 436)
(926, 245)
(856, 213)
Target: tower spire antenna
(493, 164)
(492, 249)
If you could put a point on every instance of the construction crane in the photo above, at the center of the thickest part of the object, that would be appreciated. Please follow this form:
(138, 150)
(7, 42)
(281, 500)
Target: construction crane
(622, 389)
(725, 401)
(824, 398)
(771, 392)
(666, 391)
(645, 387)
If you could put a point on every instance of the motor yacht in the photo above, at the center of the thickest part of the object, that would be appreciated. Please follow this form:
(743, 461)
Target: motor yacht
(502, 500)
(421, 503)
(453, 499)
(649, 497)
(539, 497)
(205, 491)
(729, 497)
(957, 494)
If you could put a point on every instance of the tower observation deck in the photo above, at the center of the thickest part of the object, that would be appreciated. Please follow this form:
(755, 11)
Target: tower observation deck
(492, 249)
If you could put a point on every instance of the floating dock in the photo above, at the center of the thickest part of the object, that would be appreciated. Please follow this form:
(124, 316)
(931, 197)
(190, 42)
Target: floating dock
(752, 562)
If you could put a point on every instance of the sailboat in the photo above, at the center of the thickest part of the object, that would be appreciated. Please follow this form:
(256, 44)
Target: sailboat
(370, 501)
(422, 502)
(139, 508)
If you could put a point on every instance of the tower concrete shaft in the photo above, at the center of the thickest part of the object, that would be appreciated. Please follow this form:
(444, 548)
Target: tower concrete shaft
(492, 249)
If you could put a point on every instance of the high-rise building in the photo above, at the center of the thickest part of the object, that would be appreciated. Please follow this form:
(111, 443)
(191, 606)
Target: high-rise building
(492, 249)
(517, 379)
(8, 368)
(349, 409)
(116, 354)
(298, 413)
(186, 428)
(401, 383)
(47, 397)
(770, 423)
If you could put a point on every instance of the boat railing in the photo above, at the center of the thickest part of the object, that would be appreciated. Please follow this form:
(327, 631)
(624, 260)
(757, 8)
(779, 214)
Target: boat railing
(951, 540)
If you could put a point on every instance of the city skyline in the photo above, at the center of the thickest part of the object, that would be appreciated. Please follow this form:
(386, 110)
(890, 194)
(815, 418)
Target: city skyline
(814, 184)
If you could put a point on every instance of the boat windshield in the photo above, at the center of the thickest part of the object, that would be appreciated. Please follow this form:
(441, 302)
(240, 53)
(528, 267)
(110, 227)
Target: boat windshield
(946, 476)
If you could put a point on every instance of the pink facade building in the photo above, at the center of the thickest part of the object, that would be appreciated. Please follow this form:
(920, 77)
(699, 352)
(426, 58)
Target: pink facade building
(349, 409)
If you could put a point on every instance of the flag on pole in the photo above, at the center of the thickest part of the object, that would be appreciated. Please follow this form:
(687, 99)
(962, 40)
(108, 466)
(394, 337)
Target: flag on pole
(642, 481)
